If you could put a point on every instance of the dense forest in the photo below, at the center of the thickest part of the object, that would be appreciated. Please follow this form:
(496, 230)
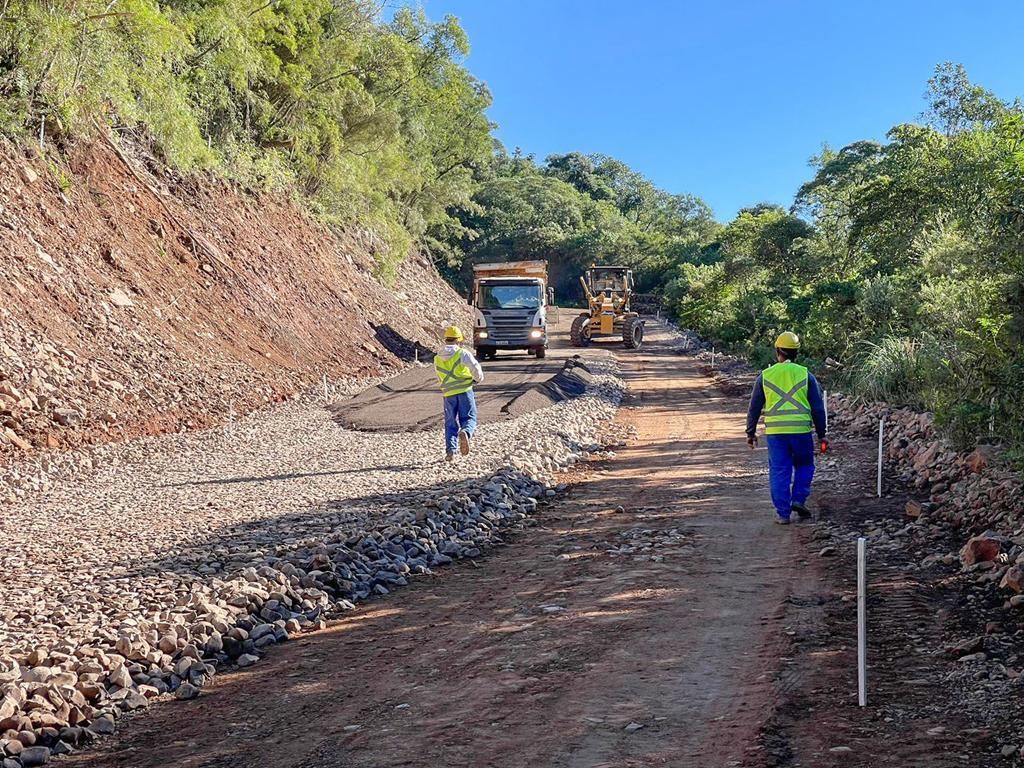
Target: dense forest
(576, 210)
(900, 262)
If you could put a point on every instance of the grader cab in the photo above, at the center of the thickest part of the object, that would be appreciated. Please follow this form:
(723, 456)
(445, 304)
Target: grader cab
(608, 291)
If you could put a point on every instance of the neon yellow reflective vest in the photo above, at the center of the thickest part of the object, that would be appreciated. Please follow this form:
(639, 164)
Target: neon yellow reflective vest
(454, 376)
(786, 401)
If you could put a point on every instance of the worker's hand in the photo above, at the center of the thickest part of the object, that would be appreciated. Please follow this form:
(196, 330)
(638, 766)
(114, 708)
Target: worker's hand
(824, 445)
(752, 441)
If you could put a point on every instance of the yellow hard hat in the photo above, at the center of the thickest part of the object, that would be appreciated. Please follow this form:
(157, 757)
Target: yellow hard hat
(787, 340)
(452, 333)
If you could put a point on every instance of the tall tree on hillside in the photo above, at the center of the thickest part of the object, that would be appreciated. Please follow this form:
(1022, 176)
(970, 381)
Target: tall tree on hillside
(956, 104)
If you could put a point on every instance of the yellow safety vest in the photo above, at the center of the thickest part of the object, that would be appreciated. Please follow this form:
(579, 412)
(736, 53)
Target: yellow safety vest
(453, 375)
(786, 401)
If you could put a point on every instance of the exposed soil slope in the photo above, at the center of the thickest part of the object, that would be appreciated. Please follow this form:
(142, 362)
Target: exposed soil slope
(138, 303)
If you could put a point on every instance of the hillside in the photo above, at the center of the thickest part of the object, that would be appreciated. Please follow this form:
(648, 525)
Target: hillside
(138, 303)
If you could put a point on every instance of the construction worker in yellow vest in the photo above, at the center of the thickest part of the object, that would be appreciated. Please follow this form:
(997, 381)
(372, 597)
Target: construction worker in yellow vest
(794, 410)
(457, 372)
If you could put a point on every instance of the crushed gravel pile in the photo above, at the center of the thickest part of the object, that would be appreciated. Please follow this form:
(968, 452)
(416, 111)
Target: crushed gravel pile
(181, 554)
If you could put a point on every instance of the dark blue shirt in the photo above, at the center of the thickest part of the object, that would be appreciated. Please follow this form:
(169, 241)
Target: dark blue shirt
(813, 395)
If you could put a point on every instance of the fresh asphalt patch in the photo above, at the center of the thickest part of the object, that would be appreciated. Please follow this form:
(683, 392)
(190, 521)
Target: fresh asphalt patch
(514, 385)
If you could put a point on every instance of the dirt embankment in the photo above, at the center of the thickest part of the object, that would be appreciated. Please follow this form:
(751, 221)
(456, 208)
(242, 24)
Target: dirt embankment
(133, 301)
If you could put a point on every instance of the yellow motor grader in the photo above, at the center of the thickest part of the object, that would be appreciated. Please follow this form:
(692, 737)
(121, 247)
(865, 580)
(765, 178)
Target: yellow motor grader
(608, 291)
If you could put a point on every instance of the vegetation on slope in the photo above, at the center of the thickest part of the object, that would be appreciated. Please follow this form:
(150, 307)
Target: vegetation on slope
(373, 121)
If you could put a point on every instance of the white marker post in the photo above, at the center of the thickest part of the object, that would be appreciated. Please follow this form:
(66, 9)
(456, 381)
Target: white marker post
(824, 397)
(712, 358)
(416, 354)
(881, 434)
(862, 623)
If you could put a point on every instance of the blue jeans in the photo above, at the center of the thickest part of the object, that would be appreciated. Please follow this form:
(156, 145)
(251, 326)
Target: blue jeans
(459, 414)
(790, 470)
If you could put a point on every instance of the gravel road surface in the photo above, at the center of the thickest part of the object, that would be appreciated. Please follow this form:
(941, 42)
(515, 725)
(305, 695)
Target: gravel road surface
(635, 626)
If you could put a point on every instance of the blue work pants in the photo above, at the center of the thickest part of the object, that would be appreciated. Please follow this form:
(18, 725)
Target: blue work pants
(459, 414)
(790, 470)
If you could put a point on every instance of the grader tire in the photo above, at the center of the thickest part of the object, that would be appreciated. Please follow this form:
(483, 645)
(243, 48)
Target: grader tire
(577, 334)
(633, 333)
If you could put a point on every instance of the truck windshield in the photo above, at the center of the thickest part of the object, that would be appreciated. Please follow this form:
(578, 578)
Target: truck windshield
(525, 296)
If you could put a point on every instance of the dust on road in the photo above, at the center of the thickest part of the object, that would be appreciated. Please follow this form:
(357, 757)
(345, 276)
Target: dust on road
(642, 637)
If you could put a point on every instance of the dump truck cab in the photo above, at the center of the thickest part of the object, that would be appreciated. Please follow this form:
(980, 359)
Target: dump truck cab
(511, 301)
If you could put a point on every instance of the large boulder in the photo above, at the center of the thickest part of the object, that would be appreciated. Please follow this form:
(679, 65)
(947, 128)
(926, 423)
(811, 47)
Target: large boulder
(984, 547)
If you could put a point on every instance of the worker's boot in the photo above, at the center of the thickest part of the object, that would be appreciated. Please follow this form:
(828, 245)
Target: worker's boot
(449, 456)
(464, 440)
(780, 520)
(801, 510)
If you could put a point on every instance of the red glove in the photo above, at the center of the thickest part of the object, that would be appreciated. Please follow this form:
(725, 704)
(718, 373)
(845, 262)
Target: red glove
(824, 445)
(752, 441)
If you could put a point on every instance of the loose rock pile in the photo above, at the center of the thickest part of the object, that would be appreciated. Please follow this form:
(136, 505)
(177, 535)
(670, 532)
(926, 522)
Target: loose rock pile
(187, 553)
(966, 490)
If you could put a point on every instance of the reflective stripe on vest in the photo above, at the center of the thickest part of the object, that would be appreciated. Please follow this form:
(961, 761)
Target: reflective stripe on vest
(454, 376)
(786, 399)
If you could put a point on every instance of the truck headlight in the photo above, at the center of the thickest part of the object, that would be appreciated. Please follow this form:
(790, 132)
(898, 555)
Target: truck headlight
(481, 334)
(536, 334)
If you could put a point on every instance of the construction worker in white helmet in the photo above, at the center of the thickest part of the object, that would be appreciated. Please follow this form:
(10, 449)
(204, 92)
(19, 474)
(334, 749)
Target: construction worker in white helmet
(457, 371)
(794, 410)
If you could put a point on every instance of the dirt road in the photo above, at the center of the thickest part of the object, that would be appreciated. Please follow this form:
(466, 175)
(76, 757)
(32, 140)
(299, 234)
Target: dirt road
(636, 625)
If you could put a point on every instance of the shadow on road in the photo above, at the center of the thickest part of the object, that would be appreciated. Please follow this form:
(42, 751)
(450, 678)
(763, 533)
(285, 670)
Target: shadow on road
(289, 476)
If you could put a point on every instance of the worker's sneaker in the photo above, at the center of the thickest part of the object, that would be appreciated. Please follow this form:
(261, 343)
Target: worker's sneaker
(780, 520)
(449, 456)
(464, 442)
(801, 510)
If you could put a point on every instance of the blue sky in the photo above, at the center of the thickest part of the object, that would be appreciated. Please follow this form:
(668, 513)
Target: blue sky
(726, 100)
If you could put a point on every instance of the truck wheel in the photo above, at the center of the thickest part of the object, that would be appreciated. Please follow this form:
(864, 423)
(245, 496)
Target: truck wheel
(633, 333)
(578, 333)
(541, 353)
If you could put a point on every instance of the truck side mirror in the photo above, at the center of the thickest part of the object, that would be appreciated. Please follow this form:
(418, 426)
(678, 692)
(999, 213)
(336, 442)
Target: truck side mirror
(469, 298)
(551, 295)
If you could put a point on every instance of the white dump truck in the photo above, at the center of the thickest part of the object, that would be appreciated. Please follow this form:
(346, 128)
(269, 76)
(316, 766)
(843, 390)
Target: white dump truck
(511, 301)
